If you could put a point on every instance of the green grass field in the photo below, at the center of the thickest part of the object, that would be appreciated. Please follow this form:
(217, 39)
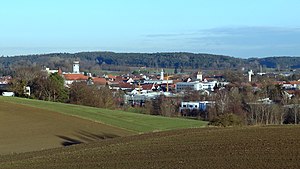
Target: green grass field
(139, 123)
(31, 125)
(273, 147)
(24, 129)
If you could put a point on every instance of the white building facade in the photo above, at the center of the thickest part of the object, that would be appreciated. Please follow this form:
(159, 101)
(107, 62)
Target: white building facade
(185, 86)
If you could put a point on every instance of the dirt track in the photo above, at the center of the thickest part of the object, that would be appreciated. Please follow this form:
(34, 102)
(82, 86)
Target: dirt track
(24, 129)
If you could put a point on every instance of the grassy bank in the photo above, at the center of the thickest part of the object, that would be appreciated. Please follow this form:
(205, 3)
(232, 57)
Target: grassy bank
(139, 123)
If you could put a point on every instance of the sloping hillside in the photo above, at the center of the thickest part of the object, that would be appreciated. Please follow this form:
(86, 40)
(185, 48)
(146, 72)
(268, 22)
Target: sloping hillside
(138, 123)
(254, 147)
(25, 128)
(32, 125)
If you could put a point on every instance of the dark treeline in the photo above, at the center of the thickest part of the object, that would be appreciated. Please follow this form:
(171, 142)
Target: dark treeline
(90, 61)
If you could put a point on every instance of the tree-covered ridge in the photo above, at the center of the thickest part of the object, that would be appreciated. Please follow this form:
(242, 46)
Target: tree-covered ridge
(170, 60)
(284, 62)
(89, 59)
(92, 60)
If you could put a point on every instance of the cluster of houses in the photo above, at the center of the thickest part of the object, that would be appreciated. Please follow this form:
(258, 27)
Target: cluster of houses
(77, 76)
(140, 88)
(4, 80)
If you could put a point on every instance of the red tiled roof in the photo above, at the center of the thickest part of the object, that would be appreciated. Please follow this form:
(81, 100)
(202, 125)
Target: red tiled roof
(147, 86)
(119, 79)
(99, 80)
(75, 77)
(293, 82)
(111, 76)
(125, 85)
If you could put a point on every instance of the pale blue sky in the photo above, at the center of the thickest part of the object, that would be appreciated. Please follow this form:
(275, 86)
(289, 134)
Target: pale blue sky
(241, 28)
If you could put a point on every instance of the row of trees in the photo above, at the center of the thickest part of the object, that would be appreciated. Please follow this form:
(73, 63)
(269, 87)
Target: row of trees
(267, 105)
(82, 94)
(43, 86)
(51, 88)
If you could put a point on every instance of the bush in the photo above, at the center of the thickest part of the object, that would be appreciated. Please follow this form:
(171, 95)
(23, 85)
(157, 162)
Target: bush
(226, 120)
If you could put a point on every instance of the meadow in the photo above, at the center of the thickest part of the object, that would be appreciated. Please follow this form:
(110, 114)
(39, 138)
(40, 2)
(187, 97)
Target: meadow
(31, 125)
(134, 122)
(25, 128)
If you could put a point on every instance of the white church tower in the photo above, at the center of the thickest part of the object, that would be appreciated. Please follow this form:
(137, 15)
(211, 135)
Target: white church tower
(76, 67)
(162, 74)
(200, 76)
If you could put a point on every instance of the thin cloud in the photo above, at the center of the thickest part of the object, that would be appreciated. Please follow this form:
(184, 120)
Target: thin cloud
(236, 41)
(170, 35)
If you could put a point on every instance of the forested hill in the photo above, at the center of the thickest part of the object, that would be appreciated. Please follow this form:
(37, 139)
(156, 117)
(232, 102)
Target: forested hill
(92, 60)
(160, 60)
(284, 62)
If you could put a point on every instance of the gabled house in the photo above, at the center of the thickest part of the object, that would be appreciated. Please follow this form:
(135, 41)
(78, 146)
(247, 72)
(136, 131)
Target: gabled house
(110, 77)
(126, 86)
(70, 78)
(99, 81)
(120, 79)
(5, 80)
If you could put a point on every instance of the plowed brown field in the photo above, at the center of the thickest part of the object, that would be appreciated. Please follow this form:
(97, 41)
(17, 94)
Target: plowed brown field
(254, 147)
(24, 128)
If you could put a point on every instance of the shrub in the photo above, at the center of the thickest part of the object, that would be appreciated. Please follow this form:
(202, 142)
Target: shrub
(226, 120)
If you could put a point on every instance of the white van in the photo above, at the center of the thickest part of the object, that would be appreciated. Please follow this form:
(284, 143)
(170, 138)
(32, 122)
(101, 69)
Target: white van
(9, 94)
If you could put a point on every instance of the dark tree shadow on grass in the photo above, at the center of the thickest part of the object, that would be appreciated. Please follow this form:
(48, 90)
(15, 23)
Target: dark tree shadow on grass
(85, 137)
(69, 141)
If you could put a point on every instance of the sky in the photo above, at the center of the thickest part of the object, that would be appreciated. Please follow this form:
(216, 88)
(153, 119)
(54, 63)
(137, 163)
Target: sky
(239, 28)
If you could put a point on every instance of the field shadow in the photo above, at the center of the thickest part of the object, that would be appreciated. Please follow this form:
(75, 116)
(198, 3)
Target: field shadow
(67, 141)
(85, 137)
